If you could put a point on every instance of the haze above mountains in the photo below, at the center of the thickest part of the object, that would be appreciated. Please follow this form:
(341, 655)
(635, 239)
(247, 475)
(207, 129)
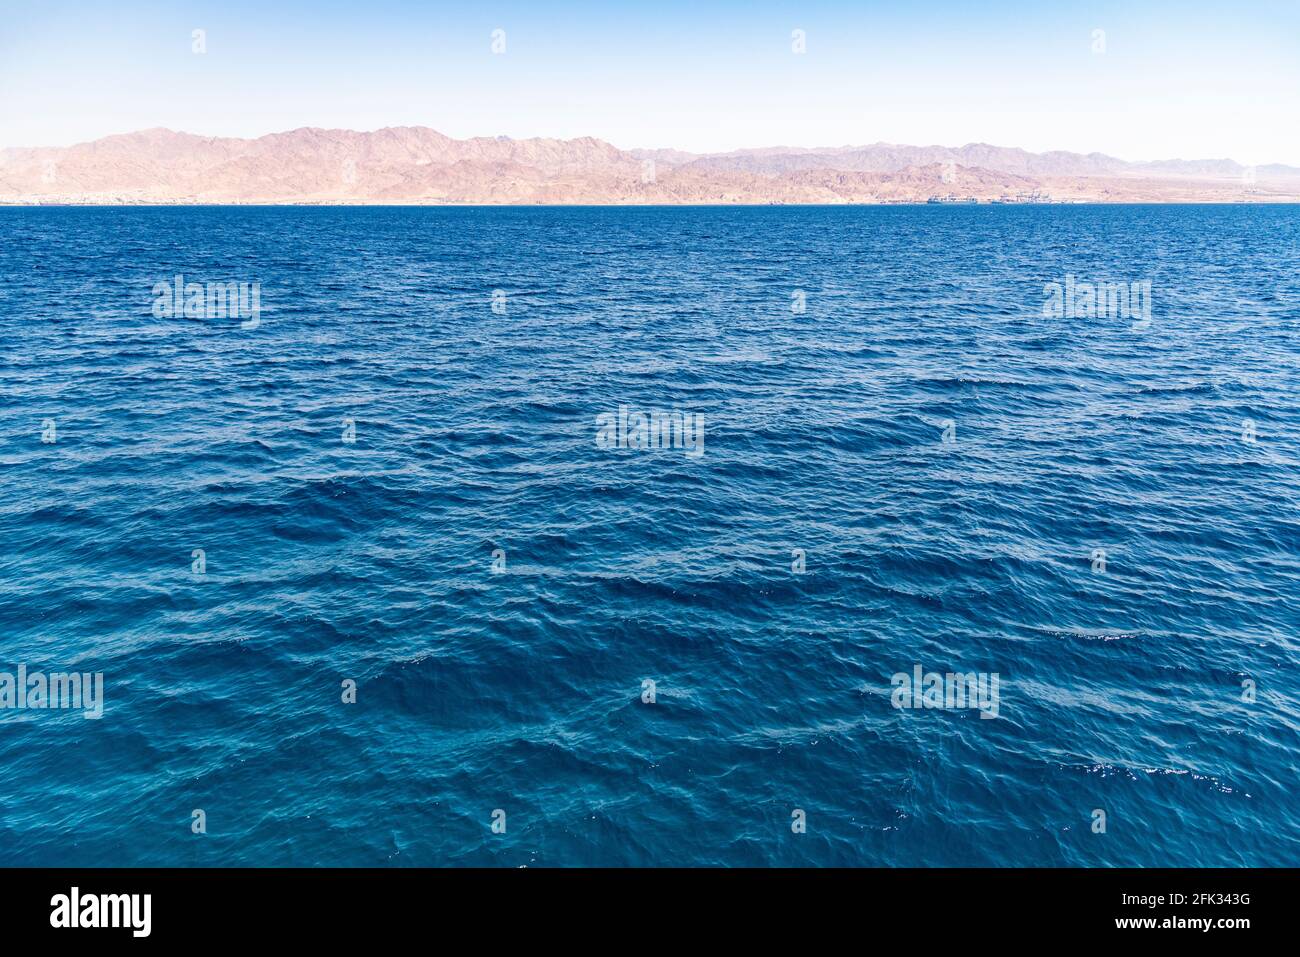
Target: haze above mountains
(418, 165)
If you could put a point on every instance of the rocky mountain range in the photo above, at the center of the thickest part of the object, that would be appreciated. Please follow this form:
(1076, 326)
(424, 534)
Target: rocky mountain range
(418, 165)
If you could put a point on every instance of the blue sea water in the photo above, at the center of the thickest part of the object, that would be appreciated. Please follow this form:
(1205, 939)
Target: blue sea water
(1121, 690)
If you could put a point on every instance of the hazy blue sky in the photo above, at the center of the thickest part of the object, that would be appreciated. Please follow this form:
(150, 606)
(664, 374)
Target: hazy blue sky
(1185, 79)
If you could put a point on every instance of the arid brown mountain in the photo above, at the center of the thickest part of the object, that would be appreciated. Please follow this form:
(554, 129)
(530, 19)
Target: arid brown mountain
(418, 165)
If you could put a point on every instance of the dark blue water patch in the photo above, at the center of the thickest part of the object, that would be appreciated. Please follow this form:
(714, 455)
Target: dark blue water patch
(396, 485)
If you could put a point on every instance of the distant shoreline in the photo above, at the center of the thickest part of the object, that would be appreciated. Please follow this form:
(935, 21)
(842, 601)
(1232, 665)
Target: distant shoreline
(713, 205)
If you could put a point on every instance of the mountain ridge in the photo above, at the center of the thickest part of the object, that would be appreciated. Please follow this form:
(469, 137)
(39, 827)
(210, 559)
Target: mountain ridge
(418, 164)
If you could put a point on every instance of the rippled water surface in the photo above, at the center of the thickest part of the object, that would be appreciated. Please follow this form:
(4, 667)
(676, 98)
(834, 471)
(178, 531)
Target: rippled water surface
(1121, 690)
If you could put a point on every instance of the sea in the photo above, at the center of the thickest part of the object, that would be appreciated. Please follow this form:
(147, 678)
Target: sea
(653, 536)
